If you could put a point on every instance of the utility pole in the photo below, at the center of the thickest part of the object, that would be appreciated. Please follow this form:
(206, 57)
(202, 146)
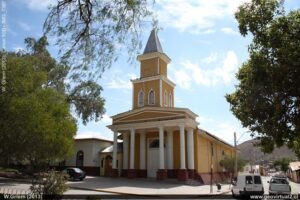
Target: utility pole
(235, 156)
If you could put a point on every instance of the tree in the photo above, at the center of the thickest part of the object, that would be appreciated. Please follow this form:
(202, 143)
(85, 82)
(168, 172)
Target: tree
(267, 98)
(84, 95)
(283, 163)
(228, 164)
(36, 124)
(91, 33)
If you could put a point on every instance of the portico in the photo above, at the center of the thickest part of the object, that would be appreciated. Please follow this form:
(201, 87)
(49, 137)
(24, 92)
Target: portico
(156, 131)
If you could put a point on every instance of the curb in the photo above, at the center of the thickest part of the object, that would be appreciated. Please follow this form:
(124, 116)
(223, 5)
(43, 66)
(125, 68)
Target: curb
(113, 192)
(132, 194)
(7, 180)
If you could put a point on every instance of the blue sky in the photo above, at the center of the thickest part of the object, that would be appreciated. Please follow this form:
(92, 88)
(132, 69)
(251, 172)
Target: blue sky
(201, 38)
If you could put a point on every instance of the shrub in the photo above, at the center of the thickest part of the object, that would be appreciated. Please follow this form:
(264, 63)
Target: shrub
(49, 183)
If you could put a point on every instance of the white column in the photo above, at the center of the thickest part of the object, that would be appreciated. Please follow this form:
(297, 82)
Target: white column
(190, 148)
(170, 149)
(161, 148)
(115, 149)
(132, 137)
(125, 151)
(182, 147)
(142, 150)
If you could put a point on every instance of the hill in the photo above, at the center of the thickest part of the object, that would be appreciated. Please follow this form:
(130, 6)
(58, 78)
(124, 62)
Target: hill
(248, 151)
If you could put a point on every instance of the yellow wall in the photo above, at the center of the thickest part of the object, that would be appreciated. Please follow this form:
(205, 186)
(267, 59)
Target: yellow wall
(147, 115)
(196, 153)
(146, 87)
(162, 67)
(169, 89)
(204, 154)
(155, 86)
(176, 149)
(153, 67)
(149, 67)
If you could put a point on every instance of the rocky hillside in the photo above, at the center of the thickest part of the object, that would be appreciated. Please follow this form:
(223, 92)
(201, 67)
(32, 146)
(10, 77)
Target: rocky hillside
(248, 151)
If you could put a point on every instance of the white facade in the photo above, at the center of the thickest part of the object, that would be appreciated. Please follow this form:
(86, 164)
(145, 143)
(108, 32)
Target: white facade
(91, 148)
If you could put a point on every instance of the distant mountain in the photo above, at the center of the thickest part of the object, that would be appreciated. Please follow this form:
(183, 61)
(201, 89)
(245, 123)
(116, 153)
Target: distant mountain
(248, 151)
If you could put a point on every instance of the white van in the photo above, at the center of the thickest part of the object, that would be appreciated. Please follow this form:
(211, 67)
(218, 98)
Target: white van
(247, 184)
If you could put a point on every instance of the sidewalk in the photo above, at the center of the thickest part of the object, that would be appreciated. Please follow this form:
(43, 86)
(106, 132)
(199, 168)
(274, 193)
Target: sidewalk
(144, 186)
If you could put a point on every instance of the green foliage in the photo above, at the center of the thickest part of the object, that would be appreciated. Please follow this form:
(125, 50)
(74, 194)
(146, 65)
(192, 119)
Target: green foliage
(283, 163)
(50, 183)
(91, 33)
(87, 100)
(228, 164)
(36, 124)
(267, 98)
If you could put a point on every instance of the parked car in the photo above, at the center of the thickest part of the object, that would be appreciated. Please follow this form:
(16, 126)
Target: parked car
(247, 184)
(279, 185)
(74, 173)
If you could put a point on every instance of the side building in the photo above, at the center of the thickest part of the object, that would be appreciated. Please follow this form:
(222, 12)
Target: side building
(86, 155)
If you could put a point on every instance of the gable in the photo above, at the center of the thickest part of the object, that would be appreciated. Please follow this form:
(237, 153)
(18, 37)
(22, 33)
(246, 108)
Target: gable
(145, 116)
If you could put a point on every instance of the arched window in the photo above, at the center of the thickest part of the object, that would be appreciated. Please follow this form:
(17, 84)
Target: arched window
(79, 159)
(166, 98)
(151, 98)
(170, 100)
(141, 98)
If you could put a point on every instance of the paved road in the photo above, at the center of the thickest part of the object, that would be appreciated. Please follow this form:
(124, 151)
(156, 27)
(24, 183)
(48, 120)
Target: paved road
(23, 188)
(146, 186)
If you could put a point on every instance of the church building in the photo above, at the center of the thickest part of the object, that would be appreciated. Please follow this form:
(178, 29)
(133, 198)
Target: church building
(159, 139)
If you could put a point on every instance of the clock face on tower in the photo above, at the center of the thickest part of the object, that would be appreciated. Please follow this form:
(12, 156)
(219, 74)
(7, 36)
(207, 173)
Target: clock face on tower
(153, 88)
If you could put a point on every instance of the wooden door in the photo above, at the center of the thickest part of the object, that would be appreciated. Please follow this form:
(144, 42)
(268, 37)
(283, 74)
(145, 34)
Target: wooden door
(108, 165)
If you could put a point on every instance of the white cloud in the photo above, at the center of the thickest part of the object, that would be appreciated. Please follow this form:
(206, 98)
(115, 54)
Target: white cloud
(18, 49)
(230, 65)
(224, 129)
(40, 5)
(195, 16)
(178, 100)
(204, 32)
(210, 59)
(106, 119)
(229, 31)
(194, 73)
(182, 79)
(119, 81)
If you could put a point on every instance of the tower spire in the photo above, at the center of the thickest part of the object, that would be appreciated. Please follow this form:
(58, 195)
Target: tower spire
(153, 44)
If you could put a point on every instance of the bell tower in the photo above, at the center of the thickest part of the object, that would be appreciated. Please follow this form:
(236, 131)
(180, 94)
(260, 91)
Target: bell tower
(153, 88)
